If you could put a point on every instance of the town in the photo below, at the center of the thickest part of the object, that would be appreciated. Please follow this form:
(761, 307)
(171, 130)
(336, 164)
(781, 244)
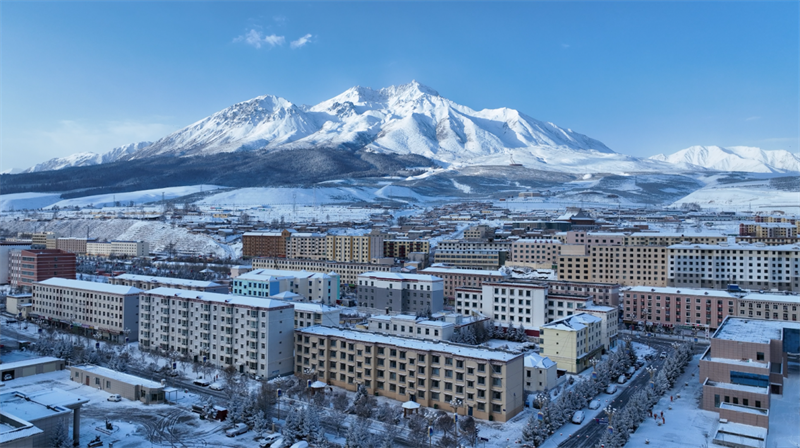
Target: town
(481, 323)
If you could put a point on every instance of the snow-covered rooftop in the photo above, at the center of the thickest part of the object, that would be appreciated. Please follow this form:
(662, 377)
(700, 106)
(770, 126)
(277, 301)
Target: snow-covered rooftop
(691, 291)
(786, 298)
(223, 299)
(29, 362)
(410, 343)
(104, 288)
(752, 330)
(783, 247)
(167, 280)
(401, 277)
(119, 376)
(540, 362)
(266, 274)
(575, 322)
(435, 270)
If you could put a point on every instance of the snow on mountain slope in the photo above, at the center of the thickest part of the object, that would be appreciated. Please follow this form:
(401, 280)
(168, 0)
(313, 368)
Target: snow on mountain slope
(88, 158)
(405, 119)
(733, 158)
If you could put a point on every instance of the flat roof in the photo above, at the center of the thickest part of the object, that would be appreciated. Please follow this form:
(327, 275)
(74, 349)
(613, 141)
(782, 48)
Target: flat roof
(783, 247)
(690, 291)
(773, 297)
(752, 330)
(29, 362)
(739, 387)
(90, 286)
(396, 276)
(167, 280)
(411, 343)
(119, 376)
(223, 299)
(265, 274)
(463, 271)
(575, 322)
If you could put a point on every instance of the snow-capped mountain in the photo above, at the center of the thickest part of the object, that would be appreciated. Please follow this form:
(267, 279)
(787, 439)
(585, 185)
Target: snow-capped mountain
(405, 119)
(733, 158)
(88, 158)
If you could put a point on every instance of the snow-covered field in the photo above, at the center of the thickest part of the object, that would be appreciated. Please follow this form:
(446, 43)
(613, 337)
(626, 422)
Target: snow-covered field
(756, 196)
(21, 201)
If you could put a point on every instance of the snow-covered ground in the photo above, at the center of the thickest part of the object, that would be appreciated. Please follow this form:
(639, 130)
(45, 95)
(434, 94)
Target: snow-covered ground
(22, 201)
(756, 195)
(30, 201)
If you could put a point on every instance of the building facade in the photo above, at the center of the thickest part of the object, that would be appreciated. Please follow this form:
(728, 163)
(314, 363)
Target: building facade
(535, 252)
(315, 287)
(391, 293)
(453, 278)
(670, 306)
(471, 259)
(5, 258)
(311, 246)
(401, 248)
(27, 267)
(265, 244)
(488, 383)
(572, 341)
(106, 311)
(254, 335)
(348, 272)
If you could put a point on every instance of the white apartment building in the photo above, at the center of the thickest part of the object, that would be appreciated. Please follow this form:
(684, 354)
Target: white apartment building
(252, 334)
(146, 282)
(355, 249)
(610, 322)
(541, 373)
(572, 341)
(130, 248)
(314, 286)
(508, 303)
(310, 314)
(751, 266)
(106, 311)
(411, 326)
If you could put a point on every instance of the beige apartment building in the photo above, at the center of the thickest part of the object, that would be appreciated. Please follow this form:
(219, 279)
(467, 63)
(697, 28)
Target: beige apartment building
(106, 311)
(489, 383)
(73, 245)
(455, 278)
(471, 259)
(312, 246)
(751, 266)
(348, 272)
(670, 306)
(541, 373)
(625, 265)
(535, 253)
(254, 335)
(602, 293)
(398, 248)
(768, 306)
(746, 363)
(354, 249)
(572, 341)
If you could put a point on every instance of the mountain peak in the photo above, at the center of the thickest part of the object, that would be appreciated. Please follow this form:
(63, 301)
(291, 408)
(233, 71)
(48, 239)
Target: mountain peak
(734, 158)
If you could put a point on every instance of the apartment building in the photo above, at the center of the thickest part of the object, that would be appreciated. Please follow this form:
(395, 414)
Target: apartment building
(768, 306)
(310, 314)
(312, 246)
(354, 249)
(397, 248)
(746, 363)
(314, 286)
(670, 306)
(73, 245)
(105, 311)
(489, 383)
(130, 248)
(471, 259)
(27, 267)
(625, 265)
(406, 325)
(768, 229)
(147, 282)
(478, 232)
(265, 244)
(602, 293)
(252, 334)
(348, 272)
(481, 244)
(756, 266)
(98, 249)
(392, 293)
(572, 341)
(640, 238)
(541, 373)
(453, 278)
(508, 303)
(5, 257)
(609, 315)
(560, 305)
(39, 240)
(536, 253)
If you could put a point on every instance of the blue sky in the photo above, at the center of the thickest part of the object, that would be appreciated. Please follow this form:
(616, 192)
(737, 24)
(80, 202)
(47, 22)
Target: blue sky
(643, 78)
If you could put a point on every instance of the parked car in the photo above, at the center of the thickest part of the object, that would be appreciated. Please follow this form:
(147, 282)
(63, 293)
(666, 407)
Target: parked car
(631, 371)
(240, 428)
(622, 379)
(216, 386)
(611, 389)
(114, 397)
(300, 444)
(201, 382)
(578, 417)
(594, 404)
(268, 440)
(663, 355)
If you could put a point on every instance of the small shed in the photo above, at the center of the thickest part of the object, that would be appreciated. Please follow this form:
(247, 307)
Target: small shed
(128, 386)
(409, 408)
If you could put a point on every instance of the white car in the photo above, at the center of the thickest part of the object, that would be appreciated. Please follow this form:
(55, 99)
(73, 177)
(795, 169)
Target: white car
(578, 417)
(663, 355)
(594, 404)
(269, 439)
(216, 386)
(611, 389)
(201, 382)
(114, 397)
(240, 428)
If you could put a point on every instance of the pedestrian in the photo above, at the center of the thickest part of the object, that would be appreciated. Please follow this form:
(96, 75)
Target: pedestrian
(663, 421)
(670, 398)
(662, 414)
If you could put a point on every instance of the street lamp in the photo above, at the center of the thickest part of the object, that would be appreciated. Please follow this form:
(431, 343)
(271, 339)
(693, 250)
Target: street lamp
(652, 371)
(456, 403)
(610, 412)
(594, 362)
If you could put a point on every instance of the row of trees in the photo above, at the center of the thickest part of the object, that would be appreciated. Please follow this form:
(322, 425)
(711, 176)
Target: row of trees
(554, 413)
(480, 333)
(626, 420)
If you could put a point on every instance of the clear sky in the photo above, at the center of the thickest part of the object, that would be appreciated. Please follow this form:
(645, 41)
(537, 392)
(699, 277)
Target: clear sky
(642, 77)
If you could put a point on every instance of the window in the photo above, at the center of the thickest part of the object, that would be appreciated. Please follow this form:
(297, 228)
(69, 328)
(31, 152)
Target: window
(760, 356)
